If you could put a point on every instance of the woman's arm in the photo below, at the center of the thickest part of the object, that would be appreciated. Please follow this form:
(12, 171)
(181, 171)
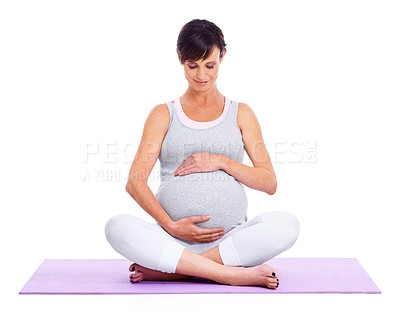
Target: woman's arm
(256, 178)
(154, 131)
(262, 176)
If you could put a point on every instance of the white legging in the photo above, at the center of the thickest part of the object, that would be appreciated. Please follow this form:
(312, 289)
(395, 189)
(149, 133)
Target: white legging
(252, 243)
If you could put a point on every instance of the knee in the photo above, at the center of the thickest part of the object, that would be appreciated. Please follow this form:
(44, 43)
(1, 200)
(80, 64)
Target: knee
(114, 225)
(293, 225)
(286, 223)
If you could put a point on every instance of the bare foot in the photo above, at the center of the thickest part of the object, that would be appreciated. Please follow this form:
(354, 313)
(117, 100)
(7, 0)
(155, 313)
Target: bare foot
(146, 274)
(261, 275)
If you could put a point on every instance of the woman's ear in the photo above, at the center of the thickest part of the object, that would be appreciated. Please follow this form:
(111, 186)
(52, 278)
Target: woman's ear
(222, 57)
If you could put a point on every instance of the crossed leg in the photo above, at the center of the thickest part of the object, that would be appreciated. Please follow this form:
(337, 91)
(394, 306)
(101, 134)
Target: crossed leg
(143, 273)
(202, 266)
(252, 243)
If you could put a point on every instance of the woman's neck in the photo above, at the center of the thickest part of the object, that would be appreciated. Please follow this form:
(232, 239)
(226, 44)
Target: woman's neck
(203, 99)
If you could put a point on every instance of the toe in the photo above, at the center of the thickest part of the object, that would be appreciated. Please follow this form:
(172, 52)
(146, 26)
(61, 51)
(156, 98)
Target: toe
(132, 267)
(135, 275)
(273, 272)
(271, 280)
(272, 285)
(134, 280)
(269, 271)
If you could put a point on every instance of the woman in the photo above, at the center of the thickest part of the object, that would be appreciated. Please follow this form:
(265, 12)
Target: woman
(201, 206)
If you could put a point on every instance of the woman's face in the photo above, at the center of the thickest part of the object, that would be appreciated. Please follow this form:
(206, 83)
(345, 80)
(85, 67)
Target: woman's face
(202, 75)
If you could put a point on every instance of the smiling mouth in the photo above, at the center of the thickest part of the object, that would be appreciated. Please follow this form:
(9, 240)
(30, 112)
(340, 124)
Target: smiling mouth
(201, 83)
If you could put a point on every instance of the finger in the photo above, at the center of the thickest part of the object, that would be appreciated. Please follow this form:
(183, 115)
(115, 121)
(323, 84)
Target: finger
(205, 238)
(216, 238)
(209, 240)
(183, 172)
(187, 169)
(212, 230)
(189, 162)
(180, 167)
(184, 164)
(210, 237)
(217, 235)
(197, 219)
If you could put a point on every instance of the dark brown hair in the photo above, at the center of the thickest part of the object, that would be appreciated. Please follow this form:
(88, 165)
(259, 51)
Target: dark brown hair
(197, 39)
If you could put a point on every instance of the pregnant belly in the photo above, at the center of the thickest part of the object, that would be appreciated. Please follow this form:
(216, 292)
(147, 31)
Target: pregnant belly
(216, 194)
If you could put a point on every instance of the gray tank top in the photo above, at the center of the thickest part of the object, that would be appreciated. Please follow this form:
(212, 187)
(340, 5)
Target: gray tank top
(215, 193)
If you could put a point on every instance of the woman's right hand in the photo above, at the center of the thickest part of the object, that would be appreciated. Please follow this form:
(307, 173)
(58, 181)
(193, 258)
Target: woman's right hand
(187, 229)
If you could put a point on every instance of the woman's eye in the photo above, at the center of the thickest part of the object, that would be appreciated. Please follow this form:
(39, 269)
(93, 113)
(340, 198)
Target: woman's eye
(192, 67)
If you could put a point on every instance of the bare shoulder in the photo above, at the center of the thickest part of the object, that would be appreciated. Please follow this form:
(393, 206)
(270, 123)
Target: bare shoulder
(154, 131)
(156, 125)
(158, 117)
(246, 117)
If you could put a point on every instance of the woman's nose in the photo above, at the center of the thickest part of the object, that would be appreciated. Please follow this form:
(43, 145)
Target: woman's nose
(201, 73)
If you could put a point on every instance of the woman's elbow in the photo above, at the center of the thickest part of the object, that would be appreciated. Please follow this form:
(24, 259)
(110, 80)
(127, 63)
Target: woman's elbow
(271, 189)
(129, 188)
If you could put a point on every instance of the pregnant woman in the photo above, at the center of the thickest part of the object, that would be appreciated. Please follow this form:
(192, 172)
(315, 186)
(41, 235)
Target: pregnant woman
(200, 207)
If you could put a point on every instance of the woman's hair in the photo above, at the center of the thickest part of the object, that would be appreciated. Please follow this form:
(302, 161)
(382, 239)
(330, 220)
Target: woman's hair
(197, 39)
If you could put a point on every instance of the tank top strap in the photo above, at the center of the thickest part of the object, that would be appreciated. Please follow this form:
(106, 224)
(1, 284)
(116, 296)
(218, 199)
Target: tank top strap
(233, 112)
(171, 110)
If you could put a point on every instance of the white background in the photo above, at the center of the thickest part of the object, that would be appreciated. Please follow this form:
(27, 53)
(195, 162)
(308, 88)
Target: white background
(81, 76)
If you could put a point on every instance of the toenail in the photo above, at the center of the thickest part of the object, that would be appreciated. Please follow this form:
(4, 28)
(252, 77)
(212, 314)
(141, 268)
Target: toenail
(273, 274)
(277, 280)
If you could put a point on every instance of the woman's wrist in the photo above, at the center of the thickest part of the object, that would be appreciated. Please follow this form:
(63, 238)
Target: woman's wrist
(223, 160)
(169, 226)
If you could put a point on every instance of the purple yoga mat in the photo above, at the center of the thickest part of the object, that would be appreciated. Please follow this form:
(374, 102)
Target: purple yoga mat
(111, 276)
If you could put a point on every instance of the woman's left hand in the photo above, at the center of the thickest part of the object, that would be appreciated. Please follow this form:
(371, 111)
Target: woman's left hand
(200, 162)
